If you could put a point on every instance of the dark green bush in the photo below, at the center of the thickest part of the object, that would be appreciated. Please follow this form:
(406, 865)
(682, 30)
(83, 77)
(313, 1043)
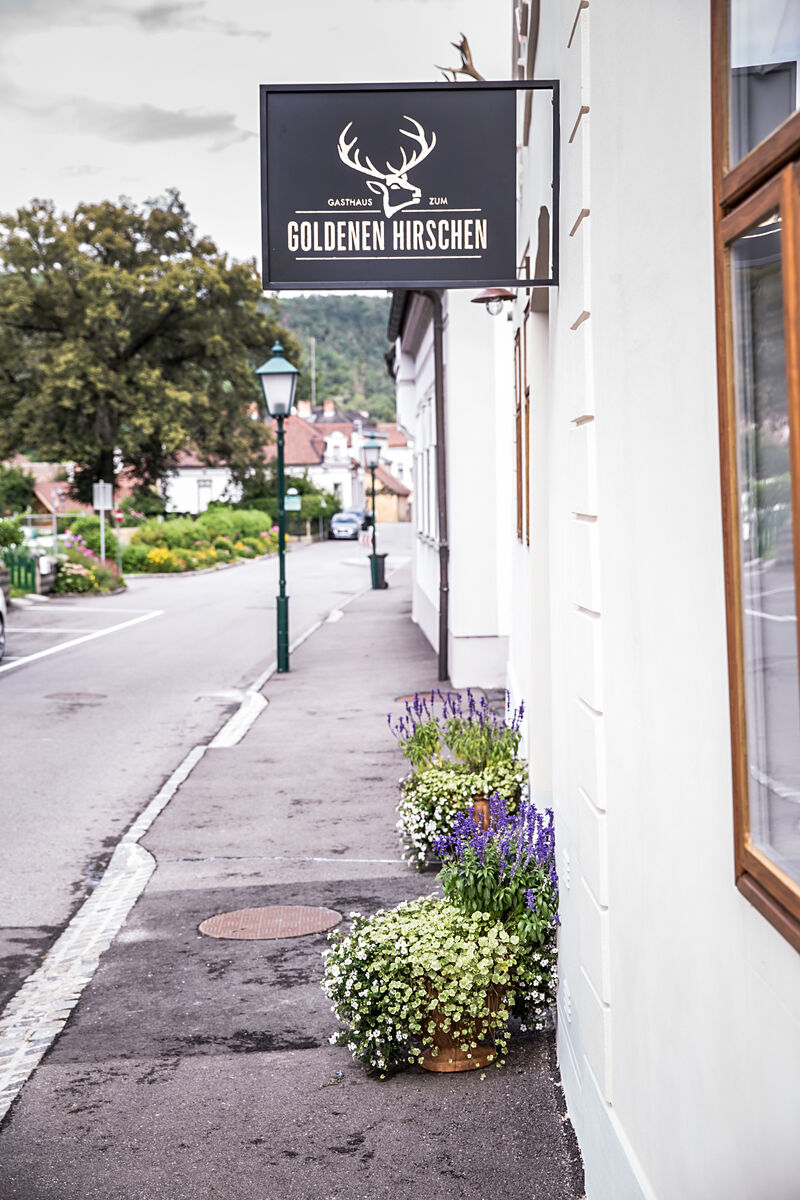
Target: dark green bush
(89, 529)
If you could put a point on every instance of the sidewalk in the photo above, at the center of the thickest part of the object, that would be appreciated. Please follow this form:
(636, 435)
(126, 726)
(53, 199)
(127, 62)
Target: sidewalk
(198, 1067)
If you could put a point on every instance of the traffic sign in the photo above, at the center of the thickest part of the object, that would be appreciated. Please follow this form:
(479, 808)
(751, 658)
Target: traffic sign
(102, 496)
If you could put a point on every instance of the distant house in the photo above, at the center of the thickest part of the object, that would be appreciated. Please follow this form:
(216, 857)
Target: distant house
(326, 443)
(392, 498)
(192, 484)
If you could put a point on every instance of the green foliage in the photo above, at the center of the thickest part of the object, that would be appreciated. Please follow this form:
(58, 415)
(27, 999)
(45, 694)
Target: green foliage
(432, 796)
(438, 725)
(189, 544)
(82, 572)
(399, 970)
(88, 528)
(11, 533)
(351, 342)
(141, 504)
(16, 489)
(123, 332)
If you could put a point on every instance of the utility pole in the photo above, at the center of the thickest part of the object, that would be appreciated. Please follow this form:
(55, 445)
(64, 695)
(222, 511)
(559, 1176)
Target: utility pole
(313, 341)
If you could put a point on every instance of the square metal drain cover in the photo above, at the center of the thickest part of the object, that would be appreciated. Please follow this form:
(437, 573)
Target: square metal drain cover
(278, 921)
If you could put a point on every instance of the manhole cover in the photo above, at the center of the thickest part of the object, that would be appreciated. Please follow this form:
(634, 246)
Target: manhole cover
(279, 921)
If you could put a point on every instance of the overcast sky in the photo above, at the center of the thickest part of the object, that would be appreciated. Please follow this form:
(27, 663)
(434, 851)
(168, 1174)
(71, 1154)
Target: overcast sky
(103, 98)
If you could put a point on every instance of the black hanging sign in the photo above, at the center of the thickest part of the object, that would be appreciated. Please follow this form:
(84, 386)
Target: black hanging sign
(394, 185)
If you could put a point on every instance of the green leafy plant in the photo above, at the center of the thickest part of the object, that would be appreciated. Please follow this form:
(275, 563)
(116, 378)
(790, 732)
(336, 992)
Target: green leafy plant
(88, 528)
(11, 534)
(458, 727)
(79, 570)
(508, 869)
(17, 489)
(401, 970)
(431, 798)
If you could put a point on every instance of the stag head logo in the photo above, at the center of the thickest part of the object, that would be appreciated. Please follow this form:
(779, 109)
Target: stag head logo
(393, 183)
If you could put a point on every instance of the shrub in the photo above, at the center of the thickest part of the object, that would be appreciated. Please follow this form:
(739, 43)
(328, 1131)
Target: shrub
(17, 489)
(465, 729)
(82, 571)
(396, 969)
(160, 558)
(88, 528)
(432, 797)
(11, 533)
(133, 557)
(74, 577)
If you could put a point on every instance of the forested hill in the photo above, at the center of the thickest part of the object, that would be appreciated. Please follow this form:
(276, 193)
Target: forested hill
(351, 344)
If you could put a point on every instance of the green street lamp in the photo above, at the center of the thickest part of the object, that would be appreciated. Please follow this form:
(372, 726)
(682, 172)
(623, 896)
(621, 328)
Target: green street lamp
(371, 449)
(279, 380)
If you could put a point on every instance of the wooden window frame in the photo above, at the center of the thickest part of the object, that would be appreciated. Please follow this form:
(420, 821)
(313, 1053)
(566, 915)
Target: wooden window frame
(766, 180)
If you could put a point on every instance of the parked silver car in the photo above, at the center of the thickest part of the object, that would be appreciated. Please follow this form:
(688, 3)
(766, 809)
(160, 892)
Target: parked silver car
(344, 525)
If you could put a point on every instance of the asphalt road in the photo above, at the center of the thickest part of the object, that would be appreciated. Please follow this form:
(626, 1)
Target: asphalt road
(90, 730)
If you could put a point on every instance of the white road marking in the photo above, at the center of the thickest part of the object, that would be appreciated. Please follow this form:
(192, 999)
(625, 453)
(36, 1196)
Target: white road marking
(162, 798)
(52, 629)
(234, 729)
(107, 608)
(39, 1010)
(98, 633)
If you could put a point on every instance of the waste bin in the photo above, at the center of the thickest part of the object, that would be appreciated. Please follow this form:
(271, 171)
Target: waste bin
(378, 568)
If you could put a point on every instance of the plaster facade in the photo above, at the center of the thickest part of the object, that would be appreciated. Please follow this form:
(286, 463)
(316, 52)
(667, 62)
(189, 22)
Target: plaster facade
(678, 1021)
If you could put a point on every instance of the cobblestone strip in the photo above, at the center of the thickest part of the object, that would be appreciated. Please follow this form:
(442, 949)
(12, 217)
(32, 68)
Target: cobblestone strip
(39, 1010)
(37, 1013)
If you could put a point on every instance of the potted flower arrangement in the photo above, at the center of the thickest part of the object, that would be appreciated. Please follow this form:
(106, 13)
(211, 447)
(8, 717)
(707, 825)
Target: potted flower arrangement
(459, 749)
(434, 980)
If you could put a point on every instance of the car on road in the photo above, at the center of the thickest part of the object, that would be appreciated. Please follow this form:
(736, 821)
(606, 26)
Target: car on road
(3, 619)
(344, 525)
(362, 514)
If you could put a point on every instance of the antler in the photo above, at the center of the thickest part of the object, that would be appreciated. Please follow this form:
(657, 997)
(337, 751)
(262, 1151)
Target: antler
(355, 161)
(425, 148)
(467, 66)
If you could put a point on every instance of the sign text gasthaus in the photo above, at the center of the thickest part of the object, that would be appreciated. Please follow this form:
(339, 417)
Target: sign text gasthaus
(384, 186)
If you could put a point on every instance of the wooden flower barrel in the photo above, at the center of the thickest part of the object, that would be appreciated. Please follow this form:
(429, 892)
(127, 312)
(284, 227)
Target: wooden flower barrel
(450, 1057)
(481, 812)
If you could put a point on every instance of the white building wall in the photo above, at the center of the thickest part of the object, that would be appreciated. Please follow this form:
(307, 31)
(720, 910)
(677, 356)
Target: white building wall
(679, 1027)
(192, 489)
(476, 494)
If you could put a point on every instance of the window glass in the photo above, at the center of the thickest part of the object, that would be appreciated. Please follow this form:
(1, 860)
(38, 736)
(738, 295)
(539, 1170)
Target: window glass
(765, 48)
(772, 690)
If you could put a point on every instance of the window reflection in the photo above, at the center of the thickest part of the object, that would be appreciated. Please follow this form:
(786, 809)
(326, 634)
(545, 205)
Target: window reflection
(765, 48)
(772, 691)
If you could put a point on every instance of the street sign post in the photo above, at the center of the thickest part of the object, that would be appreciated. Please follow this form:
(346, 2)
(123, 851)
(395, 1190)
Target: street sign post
(102, 499)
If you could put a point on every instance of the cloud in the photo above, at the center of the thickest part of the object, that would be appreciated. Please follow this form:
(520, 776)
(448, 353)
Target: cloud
(159, 17)
(80, 171)
(168, 16)
(146, 123)
(129, 123)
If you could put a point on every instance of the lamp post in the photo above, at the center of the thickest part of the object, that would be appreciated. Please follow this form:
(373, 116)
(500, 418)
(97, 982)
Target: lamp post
(372, 456)
(279, 379)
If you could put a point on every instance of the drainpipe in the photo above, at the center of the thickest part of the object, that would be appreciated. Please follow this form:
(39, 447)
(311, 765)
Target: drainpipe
(441, 480)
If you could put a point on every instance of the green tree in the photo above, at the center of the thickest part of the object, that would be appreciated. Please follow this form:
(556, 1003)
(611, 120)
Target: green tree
(16, 489)
(351, 345)
(124, 337)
